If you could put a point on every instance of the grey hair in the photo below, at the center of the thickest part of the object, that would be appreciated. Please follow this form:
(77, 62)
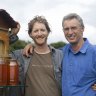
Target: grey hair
(73, 16)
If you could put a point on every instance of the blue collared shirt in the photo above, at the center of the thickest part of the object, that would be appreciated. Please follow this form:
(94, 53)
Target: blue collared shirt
(79, 71)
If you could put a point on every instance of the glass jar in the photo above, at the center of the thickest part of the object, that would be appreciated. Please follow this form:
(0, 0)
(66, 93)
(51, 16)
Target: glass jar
(3, 72)
(13, 72)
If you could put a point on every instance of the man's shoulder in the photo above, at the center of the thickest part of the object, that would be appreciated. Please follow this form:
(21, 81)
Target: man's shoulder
(93, 47)
(66, 47)
(16, 53)
(55, 51)
(19, 51)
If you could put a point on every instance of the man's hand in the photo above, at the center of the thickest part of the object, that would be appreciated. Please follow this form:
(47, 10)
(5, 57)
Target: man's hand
(28, 49)
(13, 34)
(94, 87)
(16, 30)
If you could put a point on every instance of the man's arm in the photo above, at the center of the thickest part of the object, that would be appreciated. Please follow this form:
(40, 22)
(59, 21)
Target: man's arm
(28, 49)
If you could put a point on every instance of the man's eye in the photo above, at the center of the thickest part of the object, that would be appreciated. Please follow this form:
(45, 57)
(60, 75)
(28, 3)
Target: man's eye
(42, 30)
(35, 31)
(66, 29)
(73, 28)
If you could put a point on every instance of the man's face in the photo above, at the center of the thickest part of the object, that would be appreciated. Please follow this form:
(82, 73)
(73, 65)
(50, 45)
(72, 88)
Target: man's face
(73, 31)
(39, 34)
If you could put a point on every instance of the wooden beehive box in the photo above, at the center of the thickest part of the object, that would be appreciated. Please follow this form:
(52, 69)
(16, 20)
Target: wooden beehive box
(6, 22)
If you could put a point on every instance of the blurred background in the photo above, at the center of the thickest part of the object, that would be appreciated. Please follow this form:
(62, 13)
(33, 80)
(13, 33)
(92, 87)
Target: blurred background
(54, 11)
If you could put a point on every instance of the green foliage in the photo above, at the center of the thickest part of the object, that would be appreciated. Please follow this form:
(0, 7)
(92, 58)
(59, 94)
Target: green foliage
(58, 44)
(20, 44)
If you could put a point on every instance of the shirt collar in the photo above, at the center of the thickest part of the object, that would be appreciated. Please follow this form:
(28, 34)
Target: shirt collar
(83, 48)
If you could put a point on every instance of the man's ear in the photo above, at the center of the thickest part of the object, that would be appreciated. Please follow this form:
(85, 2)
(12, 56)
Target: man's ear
(30, 35)
(82, 30)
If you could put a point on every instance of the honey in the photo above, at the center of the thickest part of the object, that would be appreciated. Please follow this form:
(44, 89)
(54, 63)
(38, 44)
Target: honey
(13, 72)
(3, 72)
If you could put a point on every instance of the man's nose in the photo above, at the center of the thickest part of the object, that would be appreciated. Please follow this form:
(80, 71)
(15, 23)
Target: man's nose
(39, 32)
(70, 31)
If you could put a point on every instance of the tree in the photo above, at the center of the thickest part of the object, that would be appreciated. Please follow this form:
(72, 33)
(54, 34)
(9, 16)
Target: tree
(20, 44)
(58, 44)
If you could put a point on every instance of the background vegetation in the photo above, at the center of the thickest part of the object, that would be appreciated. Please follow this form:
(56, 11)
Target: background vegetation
(21, 44)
